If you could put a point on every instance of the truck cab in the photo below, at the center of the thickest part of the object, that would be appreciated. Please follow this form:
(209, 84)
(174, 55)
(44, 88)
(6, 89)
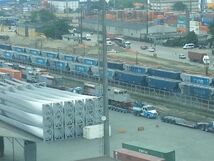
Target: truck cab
(147, 111)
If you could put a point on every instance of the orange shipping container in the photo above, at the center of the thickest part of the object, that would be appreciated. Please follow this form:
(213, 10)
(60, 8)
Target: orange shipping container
(203, 28)
(13, 73)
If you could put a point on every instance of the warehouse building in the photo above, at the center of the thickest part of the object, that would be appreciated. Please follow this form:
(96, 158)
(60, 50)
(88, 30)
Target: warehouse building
(62, 6)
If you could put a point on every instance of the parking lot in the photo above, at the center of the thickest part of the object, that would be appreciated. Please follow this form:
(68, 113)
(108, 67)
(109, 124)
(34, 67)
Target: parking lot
(189, 144)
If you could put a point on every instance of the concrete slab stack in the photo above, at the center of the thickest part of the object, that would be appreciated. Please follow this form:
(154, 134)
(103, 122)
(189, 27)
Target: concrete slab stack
(50, 114)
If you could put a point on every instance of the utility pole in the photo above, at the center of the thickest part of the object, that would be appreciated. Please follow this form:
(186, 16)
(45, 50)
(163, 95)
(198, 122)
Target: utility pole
(81, 24)
(105, 83)
(147, 18)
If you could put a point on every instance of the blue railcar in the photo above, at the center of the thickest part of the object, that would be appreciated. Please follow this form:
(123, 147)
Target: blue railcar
(8, 55)
(49, 54)
(197, 79)
(18, 49)
(115, 65)
(164, 73)
(163, 84)
(5, 47)
(87, 61)
(69, 58)
(136, 69)
(40, 61)
(32, 51)
(110, 74)
(194, 90)
(82, 69)
(22, 57)
(130, 78)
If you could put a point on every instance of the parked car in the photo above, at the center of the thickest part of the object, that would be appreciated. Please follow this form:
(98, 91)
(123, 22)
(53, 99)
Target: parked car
(189, 46)
(151, 49)
(144, 47)
(182, 56)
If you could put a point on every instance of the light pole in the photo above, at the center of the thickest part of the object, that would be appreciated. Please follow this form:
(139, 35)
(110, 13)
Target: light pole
(105, 82)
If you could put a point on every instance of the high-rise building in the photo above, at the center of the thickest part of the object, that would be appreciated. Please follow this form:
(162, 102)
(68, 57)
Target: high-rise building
(167, 5)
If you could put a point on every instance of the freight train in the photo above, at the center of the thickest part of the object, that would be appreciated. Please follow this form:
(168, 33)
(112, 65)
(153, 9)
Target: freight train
(141, 76)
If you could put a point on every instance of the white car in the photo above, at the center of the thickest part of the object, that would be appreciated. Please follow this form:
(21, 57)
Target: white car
(151, 49)
(189, 46)
(182, 56)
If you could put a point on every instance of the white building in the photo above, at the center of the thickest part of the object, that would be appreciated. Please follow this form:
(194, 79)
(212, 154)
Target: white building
(61, 6)
(167, 5)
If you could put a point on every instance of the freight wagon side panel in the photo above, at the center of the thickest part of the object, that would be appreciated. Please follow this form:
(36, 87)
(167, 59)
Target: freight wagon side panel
(163, 84)
(136, 69)
(39, 61)
(114, 65)
(164, 73)
(18, 49)
(7, 55)
(5, 47)
(69, 58)
(196, 79)
(197, 91)
(130, 78)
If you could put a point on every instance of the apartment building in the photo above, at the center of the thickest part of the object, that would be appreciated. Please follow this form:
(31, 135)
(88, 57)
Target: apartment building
(167, 5)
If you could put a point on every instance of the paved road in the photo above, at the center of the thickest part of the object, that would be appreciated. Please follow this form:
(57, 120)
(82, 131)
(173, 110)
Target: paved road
(189, 144)
(169, 53)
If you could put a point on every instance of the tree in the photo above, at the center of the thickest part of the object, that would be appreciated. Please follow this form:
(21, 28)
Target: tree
(211, 31)
(51, 26)
(191, 37)
(179, 6)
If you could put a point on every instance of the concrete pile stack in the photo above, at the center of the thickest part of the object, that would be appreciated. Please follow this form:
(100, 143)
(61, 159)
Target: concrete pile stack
(48, 113)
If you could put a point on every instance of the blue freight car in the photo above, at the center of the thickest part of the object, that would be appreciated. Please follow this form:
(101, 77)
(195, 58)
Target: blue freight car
(194, 90)
(197, 79)
(22, 57)
(58, 65)
(67, 57)
(87, 61)
(130, 78)
(50, 54)
(82, 69)
(32, 51)
(39, 61)
(163, 83)
(5, 47)
(136, 69)
(164, 73)
(115, 65)
(18, 49)
(8, 55)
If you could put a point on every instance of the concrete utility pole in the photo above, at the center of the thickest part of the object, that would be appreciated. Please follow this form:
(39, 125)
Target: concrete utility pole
(105, 83)
(147, 18)
(81, 24)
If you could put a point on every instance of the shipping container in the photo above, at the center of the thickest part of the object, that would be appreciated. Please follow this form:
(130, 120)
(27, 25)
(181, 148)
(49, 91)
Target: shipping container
(168, 155)
(87, 61)
(196, 56)
(32, 51)
(197, 79)
(136, 69)
(128, 155)
(163, 83)
(5, 47)
(58, 65)
(18, 49)
(164, 73)
(130, 78)
(13, 73)
(49, 54)
(83, 69)
(194, 90)
(22, 57)
(115, 65)
(68, 57)
(8, 55)
(40, 61)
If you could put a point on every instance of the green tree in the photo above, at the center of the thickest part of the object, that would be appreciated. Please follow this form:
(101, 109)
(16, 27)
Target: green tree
(191, 37)
(42, 16)
(51, 26)
(211, 31)
(179, 6)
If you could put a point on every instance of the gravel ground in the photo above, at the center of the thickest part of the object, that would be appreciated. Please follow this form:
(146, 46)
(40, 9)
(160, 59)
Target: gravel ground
(189, 144)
